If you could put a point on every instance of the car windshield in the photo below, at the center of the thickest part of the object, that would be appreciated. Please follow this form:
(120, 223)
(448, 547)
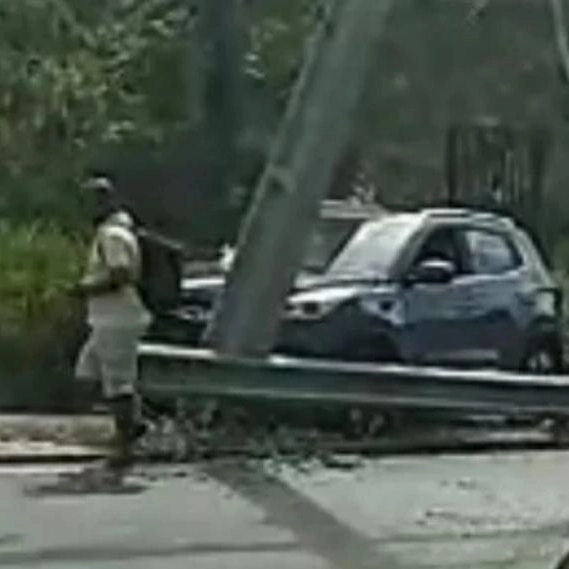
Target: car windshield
(325, 243)
(373, 249)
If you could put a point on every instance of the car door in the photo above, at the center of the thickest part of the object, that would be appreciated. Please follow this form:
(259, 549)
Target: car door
(436, 329)
(495, 293)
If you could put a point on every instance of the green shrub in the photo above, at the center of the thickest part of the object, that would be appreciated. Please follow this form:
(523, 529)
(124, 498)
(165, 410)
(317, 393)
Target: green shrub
(37, 262)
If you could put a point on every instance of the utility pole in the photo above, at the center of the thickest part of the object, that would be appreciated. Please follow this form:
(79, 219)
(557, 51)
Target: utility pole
(313, 134)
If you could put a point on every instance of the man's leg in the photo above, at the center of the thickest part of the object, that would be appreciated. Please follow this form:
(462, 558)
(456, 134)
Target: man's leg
(87, 373)
(128, 428)
(119, 356)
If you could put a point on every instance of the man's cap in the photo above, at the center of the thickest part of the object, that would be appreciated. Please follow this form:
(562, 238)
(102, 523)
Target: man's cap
(99, 184)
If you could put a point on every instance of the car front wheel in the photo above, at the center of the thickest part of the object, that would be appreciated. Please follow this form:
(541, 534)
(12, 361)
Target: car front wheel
(543, 357)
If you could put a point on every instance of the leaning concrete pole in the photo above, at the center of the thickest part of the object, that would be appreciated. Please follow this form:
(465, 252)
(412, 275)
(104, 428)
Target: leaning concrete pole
(313, 134)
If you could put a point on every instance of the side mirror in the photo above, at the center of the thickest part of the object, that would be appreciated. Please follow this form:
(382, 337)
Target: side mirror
(433, 271)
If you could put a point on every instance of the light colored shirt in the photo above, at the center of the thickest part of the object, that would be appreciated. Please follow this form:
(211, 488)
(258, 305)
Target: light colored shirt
(116, 246)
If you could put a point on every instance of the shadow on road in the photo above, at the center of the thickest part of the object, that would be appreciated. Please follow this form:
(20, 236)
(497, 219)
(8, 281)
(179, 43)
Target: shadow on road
(97, 480)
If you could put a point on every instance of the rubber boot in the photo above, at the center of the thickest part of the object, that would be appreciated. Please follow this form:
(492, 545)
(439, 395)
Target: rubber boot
(128, 429)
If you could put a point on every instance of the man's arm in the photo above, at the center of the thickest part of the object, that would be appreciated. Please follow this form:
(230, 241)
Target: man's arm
(118, 273)
(117, 278)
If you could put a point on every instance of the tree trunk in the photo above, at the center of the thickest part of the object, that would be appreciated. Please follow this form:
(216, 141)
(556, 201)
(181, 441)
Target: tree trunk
(221, 100)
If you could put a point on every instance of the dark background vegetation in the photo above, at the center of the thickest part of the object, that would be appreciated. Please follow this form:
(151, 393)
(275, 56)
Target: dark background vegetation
(132, 86)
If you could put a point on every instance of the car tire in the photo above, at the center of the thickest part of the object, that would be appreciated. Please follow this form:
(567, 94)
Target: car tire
(543, 356)
(359, 423)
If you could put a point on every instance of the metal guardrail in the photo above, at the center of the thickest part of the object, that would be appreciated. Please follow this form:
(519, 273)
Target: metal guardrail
(184, 372)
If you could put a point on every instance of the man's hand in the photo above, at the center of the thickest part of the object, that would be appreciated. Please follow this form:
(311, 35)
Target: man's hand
(114, 281)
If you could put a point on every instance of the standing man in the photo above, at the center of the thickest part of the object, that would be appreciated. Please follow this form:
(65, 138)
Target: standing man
(117, 317)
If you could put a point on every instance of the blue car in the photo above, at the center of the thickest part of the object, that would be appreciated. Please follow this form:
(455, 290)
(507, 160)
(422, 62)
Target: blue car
(435, 287)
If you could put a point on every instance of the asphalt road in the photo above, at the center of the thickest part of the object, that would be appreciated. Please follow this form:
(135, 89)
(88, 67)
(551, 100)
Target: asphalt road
(474, 512)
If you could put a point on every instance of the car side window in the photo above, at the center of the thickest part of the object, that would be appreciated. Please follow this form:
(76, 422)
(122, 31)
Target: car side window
(442, 243)
(491, 253)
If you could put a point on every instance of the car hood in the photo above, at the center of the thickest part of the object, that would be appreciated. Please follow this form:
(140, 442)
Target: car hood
(327, 294)
(211, 285)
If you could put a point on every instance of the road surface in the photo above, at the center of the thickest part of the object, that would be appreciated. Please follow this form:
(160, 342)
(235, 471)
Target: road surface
(510, 510)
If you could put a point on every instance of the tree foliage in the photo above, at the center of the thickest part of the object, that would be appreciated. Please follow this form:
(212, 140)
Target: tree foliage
(83, 79)
(275, 35)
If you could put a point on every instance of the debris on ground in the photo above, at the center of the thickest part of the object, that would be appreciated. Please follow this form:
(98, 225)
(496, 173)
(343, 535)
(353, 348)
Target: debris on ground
(208, 430)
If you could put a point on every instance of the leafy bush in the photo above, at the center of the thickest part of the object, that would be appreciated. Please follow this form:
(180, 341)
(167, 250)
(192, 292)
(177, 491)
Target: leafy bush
(36, 317)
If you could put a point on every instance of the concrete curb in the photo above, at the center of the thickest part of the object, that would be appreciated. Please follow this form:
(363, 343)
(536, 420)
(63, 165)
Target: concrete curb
(45, 439)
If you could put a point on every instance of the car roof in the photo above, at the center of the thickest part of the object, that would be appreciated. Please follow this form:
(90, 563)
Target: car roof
(468, 215)
(347, 210)
(431, 216)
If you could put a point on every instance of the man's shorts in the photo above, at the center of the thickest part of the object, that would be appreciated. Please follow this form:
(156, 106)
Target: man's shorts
(110, 356)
